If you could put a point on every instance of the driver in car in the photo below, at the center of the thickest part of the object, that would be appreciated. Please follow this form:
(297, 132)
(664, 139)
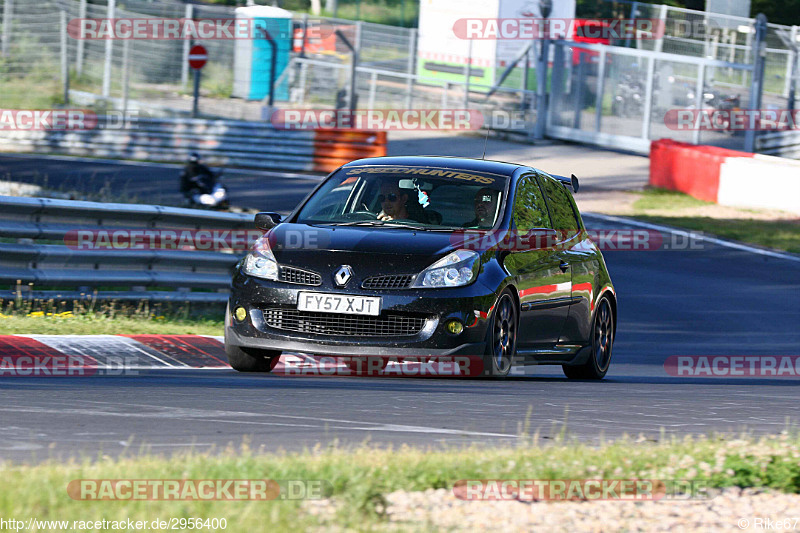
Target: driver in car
(485, 205)
(393, 202)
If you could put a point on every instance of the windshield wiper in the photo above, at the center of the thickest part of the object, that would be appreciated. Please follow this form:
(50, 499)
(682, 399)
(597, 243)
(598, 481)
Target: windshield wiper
(418, 227)
(358, 223)
(389, 224)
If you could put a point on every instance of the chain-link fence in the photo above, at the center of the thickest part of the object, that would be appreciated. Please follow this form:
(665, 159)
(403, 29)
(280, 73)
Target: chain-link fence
(725, 38)
(40, 57)
(625, 97)
(153, 76)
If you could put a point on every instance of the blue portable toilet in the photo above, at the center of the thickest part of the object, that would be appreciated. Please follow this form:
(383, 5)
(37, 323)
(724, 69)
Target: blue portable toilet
(252, 56)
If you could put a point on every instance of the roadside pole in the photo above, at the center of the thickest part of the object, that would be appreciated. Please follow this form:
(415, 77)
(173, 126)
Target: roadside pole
(757, 84)
(187, 44)
(81, 43)
(8, 10)
(112, 6)
(197, 60)
(64, 58)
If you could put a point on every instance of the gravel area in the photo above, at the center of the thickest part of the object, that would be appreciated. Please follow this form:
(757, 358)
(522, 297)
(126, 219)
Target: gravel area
(733, 509)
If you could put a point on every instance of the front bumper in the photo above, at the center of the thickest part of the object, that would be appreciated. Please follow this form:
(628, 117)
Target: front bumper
(470, 305)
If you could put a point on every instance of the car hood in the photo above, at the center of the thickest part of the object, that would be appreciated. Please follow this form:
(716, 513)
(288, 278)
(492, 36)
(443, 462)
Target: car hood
(376, 250)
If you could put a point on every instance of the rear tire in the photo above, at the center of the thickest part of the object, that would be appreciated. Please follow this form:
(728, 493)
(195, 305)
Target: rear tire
(501, 337)
(599, 360)
(251, 359)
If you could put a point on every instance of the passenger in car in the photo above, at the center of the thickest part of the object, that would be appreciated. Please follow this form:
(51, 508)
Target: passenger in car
(485, 205)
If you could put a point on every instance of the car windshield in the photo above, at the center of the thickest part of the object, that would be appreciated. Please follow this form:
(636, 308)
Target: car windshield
(410, 196)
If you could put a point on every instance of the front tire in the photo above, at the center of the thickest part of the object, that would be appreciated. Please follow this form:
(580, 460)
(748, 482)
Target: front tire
(501, 337)
(599, 360)
(250, 359)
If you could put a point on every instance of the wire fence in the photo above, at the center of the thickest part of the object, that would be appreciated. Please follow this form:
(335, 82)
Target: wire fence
(725, 38)
(39, 60)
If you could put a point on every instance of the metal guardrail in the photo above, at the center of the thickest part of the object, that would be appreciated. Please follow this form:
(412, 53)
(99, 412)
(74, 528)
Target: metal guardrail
(34, 252)
(779, 143)
(220, 142)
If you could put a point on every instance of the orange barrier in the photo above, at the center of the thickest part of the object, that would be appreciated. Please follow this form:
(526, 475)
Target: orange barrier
(692, 169)
(334, 148)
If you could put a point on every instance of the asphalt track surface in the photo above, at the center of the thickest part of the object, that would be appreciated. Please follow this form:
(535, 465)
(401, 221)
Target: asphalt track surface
(716, 300)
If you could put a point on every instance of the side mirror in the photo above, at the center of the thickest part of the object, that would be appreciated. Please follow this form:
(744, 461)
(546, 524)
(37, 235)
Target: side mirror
(575, 183)
(267, 221)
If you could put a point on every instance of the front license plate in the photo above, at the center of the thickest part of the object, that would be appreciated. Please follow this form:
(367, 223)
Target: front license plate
(339, 303)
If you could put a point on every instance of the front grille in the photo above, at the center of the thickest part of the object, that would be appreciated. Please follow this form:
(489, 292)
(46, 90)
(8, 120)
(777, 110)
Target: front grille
(299, 276)
(400, 281)
(339, 324)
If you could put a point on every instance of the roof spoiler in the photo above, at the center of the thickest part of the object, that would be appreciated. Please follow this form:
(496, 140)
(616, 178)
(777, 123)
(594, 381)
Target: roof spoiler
(570, 182)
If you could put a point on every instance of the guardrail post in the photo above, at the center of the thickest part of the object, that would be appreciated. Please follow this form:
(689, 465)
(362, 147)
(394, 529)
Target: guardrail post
(634, 13)
(373, 79)
(64, 58)
(662, 16)
(112, 5)
(698, 97)
(8, 11)
(187, 45)
(576, 121)
(126, 75)
(467, 75)
(648, 97)
(598, 102)
(790, 64)
(541, 90)
(795, 64)
(556, 81)
(80, 44)
(303, 76)
(412, 61)
(757, 85)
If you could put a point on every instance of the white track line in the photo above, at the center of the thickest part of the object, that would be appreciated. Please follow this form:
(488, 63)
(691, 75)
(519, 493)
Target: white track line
(695, 236)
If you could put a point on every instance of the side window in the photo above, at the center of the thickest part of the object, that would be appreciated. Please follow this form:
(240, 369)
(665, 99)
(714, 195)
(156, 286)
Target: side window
(561, 211)
(530, 211)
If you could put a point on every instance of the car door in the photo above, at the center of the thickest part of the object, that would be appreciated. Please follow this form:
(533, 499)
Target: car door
(543, 288)
(574, 254)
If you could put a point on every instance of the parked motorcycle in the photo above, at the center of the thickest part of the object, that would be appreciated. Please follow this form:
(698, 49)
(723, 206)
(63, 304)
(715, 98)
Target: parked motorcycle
(629, 98)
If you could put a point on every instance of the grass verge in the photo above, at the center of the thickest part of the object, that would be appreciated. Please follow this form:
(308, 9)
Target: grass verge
(359, 479)
(107, 318)
(656, 206)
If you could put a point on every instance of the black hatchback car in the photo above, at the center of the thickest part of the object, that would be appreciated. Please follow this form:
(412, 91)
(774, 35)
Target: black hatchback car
(431, 257)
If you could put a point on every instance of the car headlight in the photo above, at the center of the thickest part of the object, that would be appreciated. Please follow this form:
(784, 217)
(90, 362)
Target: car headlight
(260, 262)
(455, 270)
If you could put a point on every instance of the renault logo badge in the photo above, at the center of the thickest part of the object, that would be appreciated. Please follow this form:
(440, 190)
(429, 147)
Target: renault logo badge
(343, 275)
